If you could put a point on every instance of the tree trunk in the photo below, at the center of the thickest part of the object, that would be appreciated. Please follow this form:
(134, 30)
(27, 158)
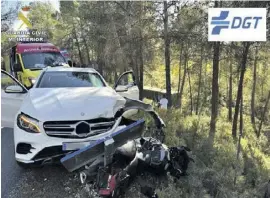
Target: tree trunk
(183, 81)
(230, 92)
(141, 50)
(200, 82)
(241, 127)
(167, 55)
(77, 44)
(141, 62)
(102, 39)
(215, 92)
(252, 104)
(205, 82)
(240, 88)
(85, 45)
(263, 116)
(190, 93)
(136, 65)
(100, 61)
(87, 51)
(100, 55)
(179, 70)
(115, 74)
(130, 53)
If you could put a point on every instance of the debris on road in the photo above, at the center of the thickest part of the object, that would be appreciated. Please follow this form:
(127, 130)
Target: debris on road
(110, 164)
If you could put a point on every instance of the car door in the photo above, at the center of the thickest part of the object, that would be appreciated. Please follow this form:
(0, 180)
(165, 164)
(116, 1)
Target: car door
(12, 95)
(126, 86)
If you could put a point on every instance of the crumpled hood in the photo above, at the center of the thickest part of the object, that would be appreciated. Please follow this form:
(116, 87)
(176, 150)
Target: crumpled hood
(47, 104)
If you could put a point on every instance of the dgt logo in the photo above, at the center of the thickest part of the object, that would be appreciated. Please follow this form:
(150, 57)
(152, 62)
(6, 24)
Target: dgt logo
(237, 24)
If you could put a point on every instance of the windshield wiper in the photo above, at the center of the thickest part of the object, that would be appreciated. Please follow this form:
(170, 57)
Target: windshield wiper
(34, 69)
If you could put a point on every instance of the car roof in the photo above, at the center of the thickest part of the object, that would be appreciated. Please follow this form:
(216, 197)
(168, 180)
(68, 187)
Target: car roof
(71, 69)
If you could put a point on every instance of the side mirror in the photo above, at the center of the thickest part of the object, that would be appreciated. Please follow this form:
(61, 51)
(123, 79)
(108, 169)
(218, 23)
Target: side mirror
(14, 89)
(131, 84)
(121, 88)
(17, 67)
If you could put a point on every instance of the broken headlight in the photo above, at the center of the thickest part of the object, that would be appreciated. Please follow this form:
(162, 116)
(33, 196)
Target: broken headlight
(28, 124)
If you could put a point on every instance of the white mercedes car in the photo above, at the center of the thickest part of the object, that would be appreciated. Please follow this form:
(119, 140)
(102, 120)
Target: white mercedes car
(65, 110)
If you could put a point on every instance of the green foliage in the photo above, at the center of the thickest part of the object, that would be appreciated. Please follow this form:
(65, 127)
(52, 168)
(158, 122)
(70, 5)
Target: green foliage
(212, 174)
(45, 21)
(5, 43)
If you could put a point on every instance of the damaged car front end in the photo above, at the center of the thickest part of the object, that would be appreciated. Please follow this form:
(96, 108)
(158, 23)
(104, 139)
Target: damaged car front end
(101, 151)
(114, 161)
(47, 142)
(41, 142)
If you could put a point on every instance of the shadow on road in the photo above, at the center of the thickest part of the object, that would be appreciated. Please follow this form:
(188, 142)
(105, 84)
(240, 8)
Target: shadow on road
(47, 181)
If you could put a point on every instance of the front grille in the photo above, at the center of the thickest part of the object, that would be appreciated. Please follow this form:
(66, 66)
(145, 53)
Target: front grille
(78, 129)
(50, 152)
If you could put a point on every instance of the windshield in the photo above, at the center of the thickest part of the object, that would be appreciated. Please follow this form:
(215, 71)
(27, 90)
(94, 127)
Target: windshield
(70, 79)
(40, 60)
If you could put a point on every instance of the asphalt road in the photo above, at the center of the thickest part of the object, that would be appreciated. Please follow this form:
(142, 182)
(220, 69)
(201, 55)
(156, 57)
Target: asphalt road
(48, 181)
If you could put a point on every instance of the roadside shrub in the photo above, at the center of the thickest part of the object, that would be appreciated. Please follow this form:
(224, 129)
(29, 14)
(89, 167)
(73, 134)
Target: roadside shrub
(214, 170)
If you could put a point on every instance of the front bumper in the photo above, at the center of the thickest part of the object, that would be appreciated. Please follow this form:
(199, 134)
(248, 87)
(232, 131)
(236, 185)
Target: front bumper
(44, 147)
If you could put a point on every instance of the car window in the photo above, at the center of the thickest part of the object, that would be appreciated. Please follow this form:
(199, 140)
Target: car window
(69, 79)
(39, 60)
(126, 79)
(7, 81)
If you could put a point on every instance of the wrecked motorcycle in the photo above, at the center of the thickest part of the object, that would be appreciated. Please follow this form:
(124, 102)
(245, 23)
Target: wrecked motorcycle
(116, 159)
(136, 157)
